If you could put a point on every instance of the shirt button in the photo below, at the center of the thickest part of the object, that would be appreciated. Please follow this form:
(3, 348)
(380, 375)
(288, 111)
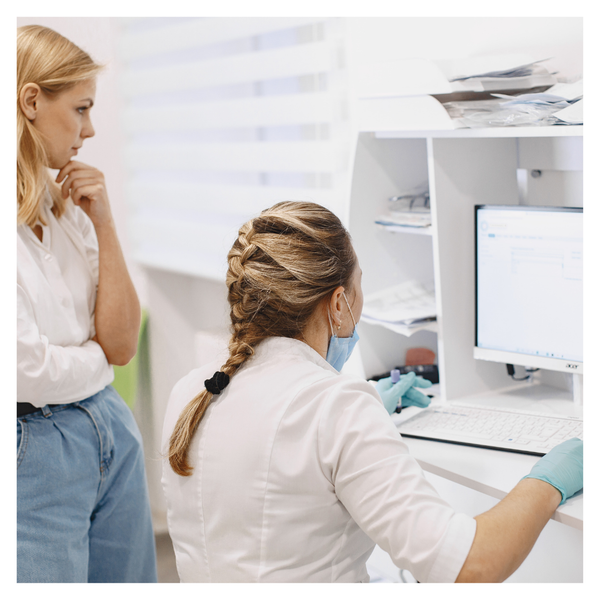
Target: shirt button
(48, 257)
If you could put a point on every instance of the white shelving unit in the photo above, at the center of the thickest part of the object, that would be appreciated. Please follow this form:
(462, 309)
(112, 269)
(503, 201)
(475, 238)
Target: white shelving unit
(462, 168)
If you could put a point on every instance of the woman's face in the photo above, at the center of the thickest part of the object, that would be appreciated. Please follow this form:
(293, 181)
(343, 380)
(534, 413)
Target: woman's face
(65, 122)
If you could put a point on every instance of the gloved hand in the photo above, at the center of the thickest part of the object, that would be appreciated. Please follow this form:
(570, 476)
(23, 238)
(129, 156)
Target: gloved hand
(402, 392)
(562, 468)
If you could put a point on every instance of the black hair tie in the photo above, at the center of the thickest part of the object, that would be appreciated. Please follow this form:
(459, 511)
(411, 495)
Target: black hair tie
(217, 383)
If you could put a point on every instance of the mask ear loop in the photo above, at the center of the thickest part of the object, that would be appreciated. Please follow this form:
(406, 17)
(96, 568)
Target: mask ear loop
(330, 325)
(349, 309)
(340, 325)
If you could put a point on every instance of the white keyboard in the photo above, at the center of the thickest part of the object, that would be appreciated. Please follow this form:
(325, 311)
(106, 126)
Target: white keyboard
(503, 429)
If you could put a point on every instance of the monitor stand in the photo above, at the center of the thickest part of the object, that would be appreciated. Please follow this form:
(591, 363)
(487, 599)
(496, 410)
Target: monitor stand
(578, 389)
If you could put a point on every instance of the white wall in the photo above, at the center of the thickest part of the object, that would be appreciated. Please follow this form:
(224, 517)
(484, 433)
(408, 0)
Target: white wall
(560, 38)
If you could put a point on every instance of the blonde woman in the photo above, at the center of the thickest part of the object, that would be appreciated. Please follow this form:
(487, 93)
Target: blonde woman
(281, 469)
(82, 503)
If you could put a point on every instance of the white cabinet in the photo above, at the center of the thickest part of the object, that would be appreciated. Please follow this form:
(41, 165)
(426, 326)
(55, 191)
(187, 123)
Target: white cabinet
(462, 168)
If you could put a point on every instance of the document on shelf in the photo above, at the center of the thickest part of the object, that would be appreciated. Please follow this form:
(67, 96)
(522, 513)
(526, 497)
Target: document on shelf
(562, 95)
(409, 209)
(572, 115)
(405, 330)
(496, 72)
(568, 91)
(405, 219)
(491, 65)
(405, 308)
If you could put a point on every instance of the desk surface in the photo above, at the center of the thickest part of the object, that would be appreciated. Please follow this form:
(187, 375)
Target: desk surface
(492, 472)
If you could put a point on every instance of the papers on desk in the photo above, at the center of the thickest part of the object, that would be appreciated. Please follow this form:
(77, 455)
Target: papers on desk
(404, 308)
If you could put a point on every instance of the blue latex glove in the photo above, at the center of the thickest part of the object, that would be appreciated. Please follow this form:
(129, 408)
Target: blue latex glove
(562, 468)
(403, 392)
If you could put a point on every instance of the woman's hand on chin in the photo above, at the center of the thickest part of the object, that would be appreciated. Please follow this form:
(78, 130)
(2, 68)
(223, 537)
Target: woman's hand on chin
(87, 188)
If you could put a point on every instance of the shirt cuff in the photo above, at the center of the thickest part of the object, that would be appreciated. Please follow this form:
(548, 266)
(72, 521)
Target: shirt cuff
(454, 550)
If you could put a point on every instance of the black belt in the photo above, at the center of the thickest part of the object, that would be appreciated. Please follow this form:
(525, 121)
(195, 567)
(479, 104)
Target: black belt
(24, 408)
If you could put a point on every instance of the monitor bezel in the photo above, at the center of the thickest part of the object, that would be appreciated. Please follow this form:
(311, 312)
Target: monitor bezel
(515, 358)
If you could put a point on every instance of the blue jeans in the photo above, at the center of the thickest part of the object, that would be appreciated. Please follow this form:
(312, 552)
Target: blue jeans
(83, 513)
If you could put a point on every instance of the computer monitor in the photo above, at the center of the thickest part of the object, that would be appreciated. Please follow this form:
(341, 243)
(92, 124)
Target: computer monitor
(529, 287)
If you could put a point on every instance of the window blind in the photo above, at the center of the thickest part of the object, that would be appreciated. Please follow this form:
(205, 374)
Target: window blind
(224, 117)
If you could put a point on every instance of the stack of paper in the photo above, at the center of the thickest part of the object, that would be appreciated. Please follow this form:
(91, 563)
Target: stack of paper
(562, 104)
(571, 115)
(404, 308)
(571, 109)
(410, 209)
(405, 219)
(486, 74)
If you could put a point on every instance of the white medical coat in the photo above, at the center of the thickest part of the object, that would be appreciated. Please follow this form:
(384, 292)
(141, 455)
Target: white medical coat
(298, 472)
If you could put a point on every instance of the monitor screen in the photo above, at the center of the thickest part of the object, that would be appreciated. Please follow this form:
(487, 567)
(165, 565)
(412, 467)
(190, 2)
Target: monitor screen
(529, 288)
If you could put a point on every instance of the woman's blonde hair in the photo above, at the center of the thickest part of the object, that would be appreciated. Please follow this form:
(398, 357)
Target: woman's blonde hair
(51, 61)
(283, 264)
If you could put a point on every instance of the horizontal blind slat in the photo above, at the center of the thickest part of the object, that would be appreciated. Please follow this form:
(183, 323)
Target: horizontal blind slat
(212, 266)
(203, 32)
(293, 157)
(264, 111)
(222, 199)
(304, 59)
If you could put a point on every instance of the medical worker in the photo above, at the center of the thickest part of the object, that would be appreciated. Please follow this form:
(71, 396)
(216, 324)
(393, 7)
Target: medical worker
(281, 469)
(82, 503)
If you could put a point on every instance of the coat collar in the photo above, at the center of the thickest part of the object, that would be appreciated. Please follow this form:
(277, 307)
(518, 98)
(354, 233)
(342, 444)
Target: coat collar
(277, 346)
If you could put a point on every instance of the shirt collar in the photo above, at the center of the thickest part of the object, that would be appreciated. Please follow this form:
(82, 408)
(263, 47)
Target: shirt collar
(278, 346)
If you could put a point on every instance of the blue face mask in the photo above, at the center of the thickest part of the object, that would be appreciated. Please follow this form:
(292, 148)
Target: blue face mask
(340, 349)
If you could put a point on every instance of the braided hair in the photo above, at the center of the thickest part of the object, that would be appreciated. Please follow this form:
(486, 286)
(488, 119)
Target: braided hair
(283, 265)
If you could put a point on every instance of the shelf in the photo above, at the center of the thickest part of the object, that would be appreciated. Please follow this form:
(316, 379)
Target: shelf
(488, 132)
(407, 229)
(399, 329)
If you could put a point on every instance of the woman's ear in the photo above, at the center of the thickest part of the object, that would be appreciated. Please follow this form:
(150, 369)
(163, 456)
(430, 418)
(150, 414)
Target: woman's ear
(29, 100)
(335, 306)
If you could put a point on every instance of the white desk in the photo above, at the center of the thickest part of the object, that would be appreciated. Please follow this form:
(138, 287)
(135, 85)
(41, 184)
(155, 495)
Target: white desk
(495, 472)
(491, 472)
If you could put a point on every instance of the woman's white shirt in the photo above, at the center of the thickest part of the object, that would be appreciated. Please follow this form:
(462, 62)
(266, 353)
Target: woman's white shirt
(298, 472)
(57, 280)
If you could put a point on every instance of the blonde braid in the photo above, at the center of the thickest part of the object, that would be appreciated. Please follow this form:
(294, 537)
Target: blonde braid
(240, 350)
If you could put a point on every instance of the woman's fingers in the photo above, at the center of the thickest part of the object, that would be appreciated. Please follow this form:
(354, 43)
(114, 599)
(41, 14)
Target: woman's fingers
(78, 176)
(91, 191)
(76, 173)
(422, 382)
(79, 183)
(415, 398)
(74, 169)
(88, 190)
(71, 166)
(74, 184)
